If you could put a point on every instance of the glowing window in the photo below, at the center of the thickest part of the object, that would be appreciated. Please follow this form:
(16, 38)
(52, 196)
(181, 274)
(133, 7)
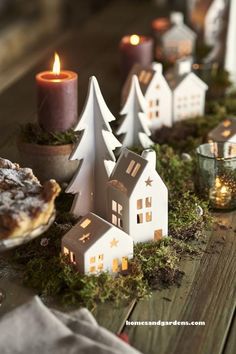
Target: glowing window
(85, 223)
(92, 259)
(139, 218)
(114, 219)
(72, 257)
(148, 216)
(120, 223)
(139, 204)
(130, 167)
(120, 208)
(114, 206)
(135, 170)
(148, 202)
(92, 269)
(115, 265)
(100, 257)
(151, 103)
(65, 250)
(124, 265)
(100, 267)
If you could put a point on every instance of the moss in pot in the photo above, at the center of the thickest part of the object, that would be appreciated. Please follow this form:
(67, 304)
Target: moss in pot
(47, 153)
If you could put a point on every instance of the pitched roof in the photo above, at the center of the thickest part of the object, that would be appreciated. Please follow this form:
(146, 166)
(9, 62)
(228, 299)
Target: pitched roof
(127, 171)
(145, 76)
(224, 131)
(86, 232)
(174, 79)
(184, 30)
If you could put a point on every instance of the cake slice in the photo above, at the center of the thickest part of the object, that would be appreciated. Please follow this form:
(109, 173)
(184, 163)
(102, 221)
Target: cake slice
(25, 204)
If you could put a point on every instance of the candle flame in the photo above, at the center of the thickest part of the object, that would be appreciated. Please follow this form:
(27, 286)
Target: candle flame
(57, 65)
(134, 39)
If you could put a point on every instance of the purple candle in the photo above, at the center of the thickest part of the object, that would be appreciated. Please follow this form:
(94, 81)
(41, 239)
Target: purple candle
(57, 98)
(135, 49)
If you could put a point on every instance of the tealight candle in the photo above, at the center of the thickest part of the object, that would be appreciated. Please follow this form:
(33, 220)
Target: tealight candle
(57, 98)
(135, 49)
(216, 174)
(220, 195)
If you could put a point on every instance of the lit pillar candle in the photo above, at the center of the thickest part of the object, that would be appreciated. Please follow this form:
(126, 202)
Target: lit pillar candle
(57, 98)
(135, 49)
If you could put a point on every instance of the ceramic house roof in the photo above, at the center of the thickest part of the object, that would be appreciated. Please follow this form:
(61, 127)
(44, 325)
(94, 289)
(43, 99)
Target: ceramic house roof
(86, 232)
(127, 171)
(224, 131)
(183, 31)
(174, 79)
(147, 73)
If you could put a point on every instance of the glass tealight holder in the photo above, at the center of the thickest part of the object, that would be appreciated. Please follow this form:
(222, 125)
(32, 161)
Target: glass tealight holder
(216, 174)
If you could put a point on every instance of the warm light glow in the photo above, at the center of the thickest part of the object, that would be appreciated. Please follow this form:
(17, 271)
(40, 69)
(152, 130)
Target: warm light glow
(134, 39)
(217, 182)
(224, 189)
(57, 65)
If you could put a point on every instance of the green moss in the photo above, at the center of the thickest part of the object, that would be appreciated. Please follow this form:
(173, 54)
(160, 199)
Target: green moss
(32, 133)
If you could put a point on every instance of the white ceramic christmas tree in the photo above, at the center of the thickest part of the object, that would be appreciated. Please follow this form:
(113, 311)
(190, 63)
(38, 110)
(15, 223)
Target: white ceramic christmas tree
(133, 122)
(94, 150)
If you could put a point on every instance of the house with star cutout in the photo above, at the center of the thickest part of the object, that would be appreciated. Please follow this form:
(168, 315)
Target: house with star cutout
(94, 245)
(137, 198)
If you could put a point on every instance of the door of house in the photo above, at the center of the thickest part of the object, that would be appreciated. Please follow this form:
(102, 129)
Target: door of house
(158, 235)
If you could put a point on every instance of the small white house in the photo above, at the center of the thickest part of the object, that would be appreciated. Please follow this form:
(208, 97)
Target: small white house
(189, 91)
(156, 92)
(94, 245)
(137, 197)
(177, 41)
(225, 131)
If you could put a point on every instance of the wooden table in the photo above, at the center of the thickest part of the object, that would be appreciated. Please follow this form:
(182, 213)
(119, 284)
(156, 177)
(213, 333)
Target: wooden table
(208, 290)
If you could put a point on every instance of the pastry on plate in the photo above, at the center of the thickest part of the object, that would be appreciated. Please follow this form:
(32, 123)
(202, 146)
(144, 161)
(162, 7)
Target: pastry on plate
(25, 204)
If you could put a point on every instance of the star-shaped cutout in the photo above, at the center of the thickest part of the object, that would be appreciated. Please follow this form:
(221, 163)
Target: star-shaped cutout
(84, 237)
(149, 182)
(114, 243)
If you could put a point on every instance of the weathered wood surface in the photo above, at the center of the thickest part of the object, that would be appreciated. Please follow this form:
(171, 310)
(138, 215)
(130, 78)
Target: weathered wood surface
(208, 289)
(207, 294)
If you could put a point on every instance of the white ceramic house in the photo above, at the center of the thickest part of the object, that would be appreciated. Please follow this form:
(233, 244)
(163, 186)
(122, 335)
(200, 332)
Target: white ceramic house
(94, 245)
(189, 91)
(137, 197)
(156, 92)
(214, 21)
(179, 40)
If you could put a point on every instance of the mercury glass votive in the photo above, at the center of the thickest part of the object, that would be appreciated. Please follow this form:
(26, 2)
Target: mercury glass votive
(216, 174)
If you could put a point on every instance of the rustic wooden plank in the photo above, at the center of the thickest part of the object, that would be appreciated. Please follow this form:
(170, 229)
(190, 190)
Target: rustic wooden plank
(113, 317)
(213, 295)
(230, 345)
(165, 305)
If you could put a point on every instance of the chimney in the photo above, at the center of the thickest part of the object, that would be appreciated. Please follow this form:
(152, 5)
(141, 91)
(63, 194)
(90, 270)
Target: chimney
(176, 18)
(157, 67)
(150, 156)
(184, 66)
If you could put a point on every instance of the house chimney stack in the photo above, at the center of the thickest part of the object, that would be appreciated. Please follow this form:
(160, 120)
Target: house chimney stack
(157, 67)
(176, 18)
(184, 66)
(150, 156)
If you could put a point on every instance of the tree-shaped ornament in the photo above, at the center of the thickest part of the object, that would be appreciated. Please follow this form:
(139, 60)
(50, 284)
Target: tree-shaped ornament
(94, 150)
(133, 124)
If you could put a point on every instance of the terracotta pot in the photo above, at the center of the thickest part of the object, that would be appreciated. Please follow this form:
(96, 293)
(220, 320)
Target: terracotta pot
(48, 161)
